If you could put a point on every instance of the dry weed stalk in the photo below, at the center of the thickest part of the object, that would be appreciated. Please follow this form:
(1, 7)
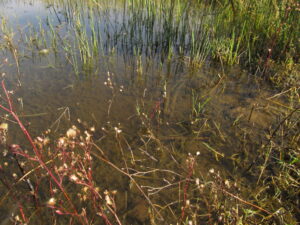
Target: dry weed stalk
(69, 160)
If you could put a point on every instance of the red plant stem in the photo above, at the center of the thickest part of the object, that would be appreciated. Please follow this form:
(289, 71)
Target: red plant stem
(36, 151)
(156, 108)
(9, 187)
(7, 96)
(22, 213)
(188, 180)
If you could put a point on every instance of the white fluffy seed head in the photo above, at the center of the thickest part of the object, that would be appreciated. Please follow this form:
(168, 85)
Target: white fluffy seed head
(71, 133)
(74, 178)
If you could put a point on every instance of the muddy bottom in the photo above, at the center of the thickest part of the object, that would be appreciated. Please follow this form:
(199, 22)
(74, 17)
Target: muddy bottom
(161, 126)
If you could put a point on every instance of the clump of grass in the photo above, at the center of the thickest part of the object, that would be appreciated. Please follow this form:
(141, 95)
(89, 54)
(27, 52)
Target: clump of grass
(198, 106)
(259, 30)
(285, 75)
(280, 170)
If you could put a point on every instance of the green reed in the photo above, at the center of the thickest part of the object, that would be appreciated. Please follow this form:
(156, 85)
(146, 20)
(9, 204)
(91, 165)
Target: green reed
(258, 27)
(250, 33)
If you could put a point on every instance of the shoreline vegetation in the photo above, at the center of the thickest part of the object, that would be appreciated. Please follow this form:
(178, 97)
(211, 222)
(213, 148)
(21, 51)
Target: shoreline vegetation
(191, 150)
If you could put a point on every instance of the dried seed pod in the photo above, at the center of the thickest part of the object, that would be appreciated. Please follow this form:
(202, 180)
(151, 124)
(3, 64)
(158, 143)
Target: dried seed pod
(71, 133)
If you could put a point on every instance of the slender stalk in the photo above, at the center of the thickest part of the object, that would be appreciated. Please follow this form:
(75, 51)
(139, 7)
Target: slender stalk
(37, 151)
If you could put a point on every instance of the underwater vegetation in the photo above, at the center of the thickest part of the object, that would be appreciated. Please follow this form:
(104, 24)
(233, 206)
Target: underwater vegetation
(149, 112)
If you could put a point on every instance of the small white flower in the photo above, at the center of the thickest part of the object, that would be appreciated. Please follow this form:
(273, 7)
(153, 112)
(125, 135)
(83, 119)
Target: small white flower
(227, 183)
(108, 200)
(118, 131)
(187, 202)
(5, 152)
(17, 218)
(74, 178)
(71, 133)
(220, 218)
(51, 202)
(85, 189)
(61, 141)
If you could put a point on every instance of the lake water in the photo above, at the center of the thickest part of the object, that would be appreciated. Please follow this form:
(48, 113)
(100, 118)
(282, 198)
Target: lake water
(115, 66)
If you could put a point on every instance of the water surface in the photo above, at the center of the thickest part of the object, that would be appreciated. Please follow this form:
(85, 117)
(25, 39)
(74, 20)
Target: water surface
(138, 79)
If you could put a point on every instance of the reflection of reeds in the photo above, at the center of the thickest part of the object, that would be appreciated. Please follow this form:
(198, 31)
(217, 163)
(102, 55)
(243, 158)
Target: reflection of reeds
(143, 29)
(8, 36)
(246, 33)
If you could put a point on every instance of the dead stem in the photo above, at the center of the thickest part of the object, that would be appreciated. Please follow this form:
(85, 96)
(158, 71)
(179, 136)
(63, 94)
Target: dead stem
(132, 179)
(246, 202)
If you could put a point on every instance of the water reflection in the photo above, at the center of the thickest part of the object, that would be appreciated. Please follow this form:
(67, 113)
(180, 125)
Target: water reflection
(115, 67)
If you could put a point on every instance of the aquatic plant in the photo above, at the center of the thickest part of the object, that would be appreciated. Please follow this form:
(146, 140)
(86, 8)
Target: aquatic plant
(71, 160)
(195, 168)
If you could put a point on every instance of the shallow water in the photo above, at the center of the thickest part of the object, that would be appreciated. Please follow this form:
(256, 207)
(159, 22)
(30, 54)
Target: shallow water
(188, 107)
